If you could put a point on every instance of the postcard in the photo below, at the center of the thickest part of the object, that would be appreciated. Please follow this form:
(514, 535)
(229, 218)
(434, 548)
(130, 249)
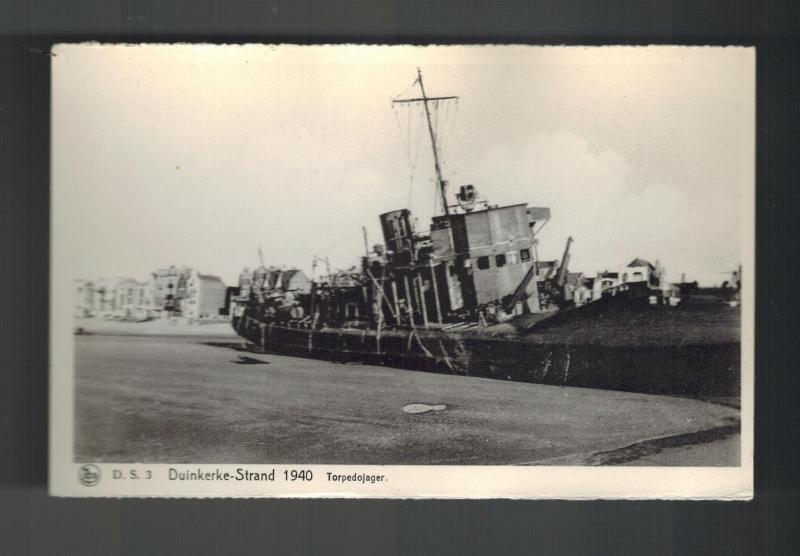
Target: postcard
(402, 272)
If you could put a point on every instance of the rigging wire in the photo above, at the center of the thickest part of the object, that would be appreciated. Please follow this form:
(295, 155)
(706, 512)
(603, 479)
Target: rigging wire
(411, 137)
(443, 125)
(415, 157)
(410, 158)
(404, 91)
(443, 122)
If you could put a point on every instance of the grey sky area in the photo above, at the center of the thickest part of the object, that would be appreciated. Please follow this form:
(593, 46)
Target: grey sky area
(198, 155)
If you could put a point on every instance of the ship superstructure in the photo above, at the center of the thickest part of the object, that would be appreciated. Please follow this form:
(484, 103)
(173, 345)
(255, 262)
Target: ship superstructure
(470, 296)
(476, 263)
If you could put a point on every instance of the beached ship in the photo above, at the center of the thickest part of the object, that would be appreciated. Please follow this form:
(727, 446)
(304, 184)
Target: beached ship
(469, 296)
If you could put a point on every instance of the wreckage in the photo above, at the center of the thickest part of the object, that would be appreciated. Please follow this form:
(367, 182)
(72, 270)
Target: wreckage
(469, 297)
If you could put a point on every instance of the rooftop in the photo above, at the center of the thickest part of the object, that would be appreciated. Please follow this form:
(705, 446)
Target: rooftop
(640, 262)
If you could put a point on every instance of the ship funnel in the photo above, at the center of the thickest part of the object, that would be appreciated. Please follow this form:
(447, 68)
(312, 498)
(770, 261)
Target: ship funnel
(398, 230)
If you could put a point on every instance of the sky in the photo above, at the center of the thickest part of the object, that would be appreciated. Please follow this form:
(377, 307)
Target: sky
(198, 155)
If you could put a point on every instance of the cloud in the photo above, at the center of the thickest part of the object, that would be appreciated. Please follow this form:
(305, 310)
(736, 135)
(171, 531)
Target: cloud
(596, 198)
(196, 155)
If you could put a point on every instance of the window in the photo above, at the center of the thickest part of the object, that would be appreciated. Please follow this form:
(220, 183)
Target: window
(511, 257)
(351, 311)
(524, 255)
(452, 270)
(483, 263)
(638, 276)
(500, 260)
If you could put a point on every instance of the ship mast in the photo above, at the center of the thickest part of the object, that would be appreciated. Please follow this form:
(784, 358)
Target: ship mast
(425, 100)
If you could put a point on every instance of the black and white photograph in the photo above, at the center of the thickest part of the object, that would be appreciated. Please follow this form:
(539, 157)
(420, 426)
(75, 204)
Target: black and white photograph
(402, 271)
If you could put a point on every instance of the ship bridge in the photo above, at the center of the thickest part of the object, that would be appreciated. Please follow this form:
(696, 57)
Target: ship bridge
(490, 251)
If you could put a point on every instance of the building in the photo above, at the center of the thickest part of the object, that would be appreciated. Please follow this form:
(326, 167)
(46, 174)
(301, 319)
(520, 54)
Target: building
(105, 296)
(164, 286)
(200, 296)
(178, 291)
(602, 281)
(112, 297)
(134, 300)
(185, 292)
(83, 296)
(638, 270)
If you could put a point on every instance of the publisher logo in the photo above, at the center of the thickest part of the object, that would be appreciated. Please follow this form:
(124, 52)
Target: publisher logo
(89, 475)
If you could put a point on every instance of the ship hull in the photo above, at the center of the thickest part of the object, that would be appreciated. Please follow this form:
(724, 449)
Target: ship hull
(707, 369)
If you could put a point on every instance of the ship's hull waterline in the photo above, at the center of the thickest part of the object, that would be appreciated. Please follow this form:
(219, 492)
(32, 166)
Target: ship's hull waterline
(674, 369)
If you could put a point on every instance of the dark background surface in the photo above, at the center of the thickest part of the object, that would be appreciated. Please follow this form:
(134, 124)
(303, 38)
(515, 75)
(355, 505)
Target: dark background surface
(31, 522)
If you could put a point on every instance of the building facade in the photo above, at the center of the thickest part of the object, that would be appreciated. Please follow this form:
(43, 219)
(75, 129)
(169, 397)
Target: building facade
(83, 296)
(604, 280)
(200, 296)
(165, 284)
(638, 270)
(112, 298)
(134, 300)
(105, 296)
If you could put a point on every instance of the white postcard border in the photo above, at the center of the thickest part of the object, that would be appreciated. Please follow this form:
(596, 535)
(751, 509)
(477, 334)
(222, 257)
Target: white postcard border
(403, 481)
